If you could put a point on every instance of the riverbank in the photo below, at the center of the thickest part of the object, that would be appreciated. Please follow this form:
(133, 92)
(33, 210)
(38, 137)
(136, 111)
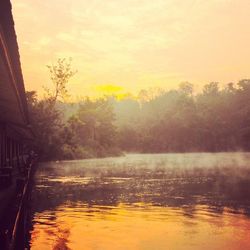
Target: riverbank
(79, 153)
(83, 153)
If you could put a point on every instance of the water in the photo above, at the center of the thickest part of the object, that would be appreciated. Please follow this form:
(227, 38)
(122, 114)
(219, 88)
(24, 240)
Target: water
(143, 202)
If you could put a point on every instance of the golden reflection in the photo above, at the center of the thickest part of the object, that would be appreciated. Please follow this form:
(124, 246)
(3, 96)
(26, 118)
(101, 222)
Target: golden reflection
(138, 226)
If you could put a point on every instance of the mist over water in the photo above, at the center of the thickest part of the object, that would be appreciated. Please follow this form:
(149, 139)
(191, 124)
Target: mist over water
(143, 201)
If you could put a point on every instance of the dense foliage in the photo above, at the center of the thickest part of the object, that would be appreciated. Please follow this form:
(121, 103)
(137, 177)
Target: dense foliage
(179, 121)
(217, 119)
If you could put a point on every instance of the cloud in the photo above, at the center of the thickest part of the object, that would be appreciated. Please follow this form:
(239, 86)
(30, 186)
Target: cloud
(135, 42)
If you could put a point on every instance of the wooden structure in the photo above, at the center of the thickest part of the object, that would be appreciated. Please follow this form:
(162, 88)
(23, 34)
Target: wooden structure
(15, 132)
(14, 120)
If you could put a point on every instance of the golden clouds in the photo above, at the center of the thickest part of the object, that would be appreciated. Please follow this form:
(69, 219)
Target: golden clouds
(134, 44)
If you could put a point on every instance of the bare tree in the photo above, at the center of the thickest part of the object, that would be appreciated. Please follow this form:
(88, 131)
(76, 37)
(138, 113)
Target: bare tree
(60, 74)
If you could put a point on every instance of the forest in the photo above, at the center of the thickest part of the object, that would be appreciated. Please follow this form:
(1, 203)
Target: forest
(215, 119)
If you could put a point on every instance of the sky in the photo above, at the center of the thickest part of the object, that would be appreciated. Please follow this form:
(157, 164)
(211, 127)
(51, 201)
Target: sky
(120, 46)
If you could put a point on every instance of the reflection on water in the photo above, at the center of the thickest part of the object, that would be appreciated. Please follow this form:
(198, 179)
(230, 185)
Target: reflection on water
(165, 201)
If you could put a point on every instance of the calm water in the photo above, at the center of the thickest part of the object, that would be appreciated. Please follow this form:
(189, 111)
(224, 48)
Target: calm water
(146, 202)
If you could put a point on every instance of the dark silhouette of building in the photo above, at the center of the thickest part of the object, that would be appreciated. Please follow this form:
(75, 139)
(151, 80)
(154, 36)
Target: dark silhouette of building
(14, 120)
(15, 130)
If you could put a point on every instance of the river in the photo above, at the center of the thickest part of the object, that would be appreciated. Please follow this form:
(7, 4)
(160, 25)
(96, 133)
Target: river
(143, 202)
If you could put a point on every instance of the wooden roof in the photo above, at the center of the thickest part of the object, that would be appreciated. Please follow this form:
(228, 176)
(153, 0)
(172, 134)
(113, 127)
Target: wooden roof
(13, 105)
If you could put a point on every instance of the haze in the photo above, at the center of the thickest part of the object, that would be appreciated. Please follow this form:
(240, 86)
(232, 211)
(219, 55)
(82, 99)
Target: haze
(124, 46)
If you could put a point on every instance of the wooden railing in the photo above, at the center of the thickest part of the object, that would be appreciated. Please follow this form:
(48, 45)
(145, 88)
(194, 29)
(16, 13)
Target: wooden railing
(19, 233)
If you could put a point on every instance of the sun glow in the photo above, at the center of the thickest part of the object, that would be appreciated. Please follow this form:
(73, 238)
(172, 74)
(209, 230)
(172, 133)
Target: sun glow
(134, 44)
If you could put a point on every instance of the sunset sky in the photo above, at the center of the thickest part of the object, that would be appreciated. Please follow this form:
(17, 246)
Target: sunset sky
(122, 46)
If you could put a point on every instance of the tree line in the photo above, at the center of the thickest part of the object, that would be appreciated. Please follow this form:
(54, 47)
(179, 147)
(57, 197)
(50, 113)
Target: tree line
(156, 121)
(217, 119)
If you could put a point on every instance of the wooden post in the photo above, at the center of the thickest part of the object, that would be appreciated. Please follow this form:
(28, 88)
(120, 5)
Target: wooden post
(14, 159)
(6, 150)
(1, 148)
(18, 155)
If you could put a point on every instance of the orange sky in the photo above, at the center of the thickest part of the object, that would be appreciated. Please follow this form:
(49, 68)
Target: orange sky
(126, 45)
